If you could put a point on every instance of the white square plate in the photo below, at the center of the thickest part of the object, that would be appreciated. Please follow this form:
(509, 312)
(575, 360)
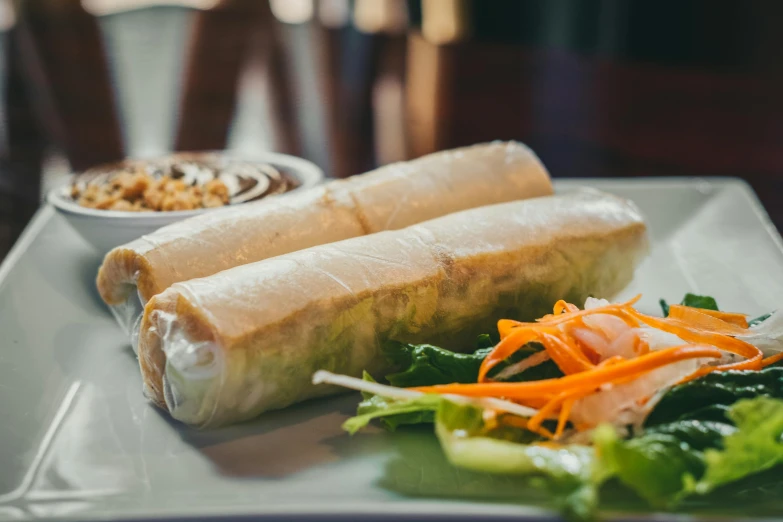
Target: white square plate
(78, 440)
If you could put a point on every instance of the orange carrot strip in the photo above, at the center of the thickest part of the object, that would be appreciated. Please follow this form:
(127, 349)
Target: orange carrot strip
(568, 358)
(513, 338)
(739, 319)
(591, 355)
(534, 422)
(562, 306)
(703, 320)
(565, 412)
(506, 326)
(641, 346)
(752, 354)
(593, 378)
(514, 420)
(559, 319)
(506, 347)
(771, 360)
(615, 359)
(566, 402)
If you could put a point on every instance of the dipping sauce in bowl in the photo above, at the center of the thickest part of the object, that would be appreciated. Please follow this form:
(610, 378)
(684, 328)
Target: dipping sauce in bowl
(180, 182)
(114, 204)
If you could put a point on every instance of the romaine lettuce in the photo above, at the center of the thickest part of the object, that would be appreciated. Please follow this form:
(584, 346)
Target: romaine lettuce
(757, 445)
(670, 462)
(392, 413)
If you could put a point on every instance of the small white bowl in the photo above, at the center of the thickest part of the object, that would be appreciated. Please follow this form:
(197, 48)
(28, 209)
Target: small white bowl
(106, 229)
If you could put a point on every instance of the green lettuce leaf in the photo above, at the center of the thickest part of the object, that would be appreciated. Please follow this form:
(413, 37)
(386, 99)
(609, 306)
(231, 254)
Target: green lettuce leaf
(655, 466)
(671, 461)
(568, 472)
(756, 446)
(659, 464)
(427, 365)
(708, 398)
(392, 413)
(697, 434)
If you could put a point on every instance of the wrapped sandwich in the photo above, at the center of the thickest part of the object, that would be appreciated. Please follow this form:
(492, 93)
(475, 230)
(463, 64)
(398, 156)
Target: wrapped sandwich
(233, 345)
(390, 198)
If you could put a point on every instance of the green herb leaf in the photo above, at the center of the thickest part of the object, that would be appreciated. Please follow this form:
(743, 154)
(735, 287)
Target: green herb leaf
(694, 301)
(760, 319)
(699, 301)
(486, 341)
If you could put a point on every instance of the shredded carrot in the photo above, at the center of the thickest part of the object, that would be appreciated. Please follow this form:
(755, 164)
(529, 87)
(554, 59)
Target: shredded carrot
(506, 326)
(739, 319)
(535, 422)
(565, 412)
(567, 357)
(709, 334)
(641, 346)
(592, 356)
(561, 306)
(709, 320)
(615, 359)
(614, 309)
(594, 378)
(771, 360)
(514, 421)
(730, 344)
(505, 348)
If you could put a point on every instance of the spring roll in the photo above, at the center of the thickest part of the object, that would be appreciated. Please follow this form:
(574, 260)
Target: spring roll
(388, 198)
(231, 346)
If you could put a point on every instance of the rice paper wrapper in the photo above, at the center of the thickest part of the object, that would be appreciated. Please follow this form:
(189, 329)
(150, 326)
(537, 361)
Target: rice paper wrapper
(389, 198)
(231, 346)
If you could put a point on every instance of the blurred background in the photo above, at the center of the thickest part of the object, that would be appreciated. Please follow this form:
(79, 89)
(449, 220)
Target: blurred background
(608, 88)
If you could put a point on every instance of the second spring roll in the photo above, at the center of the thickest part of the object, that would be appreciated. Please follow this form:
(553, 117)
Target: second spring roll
(389, 198)
(231, 346)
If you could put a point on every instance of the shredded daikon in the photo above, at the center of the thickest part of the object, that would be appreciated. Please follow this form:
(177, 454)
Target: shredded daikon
(393, 392)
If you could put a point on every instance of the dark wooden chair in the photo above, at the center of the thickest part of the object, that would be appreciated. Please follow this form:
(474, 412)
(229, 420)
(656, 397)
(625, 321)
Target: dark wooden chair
(219, 49)
(64, 58)
(607, 88)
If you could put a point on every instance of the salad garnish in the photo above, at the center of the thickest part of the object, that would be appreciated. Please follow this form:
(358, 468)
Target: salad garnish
(670, 407)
